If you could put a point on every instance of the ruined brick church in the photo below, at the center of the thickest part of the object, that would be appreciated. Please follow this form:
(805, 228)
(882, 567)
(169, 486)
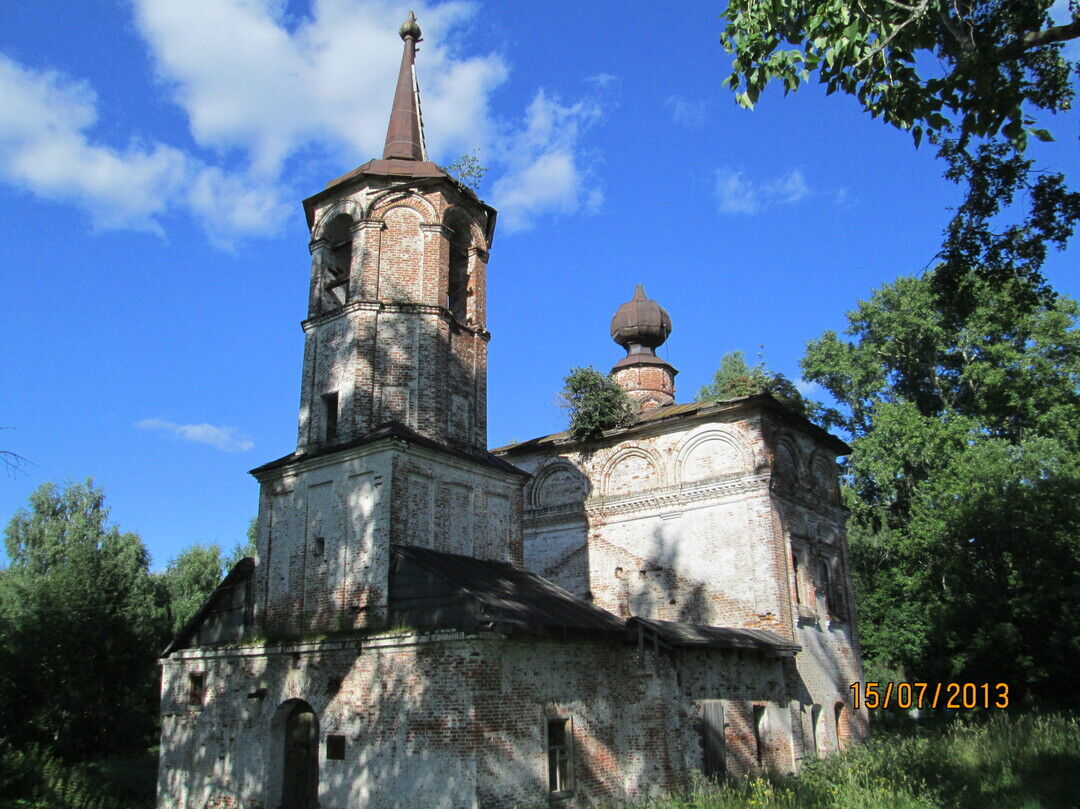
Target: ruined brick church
(432, 625)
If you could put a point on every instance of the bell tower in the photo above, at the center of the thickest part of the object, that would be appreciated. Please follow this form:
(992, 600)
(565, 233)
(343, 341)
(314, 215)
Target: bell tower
(395, 330)
(392, 445)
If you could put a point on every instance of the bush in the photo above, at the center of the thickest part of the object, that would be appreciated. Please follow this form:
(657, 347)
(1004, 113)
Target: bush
(596, 403)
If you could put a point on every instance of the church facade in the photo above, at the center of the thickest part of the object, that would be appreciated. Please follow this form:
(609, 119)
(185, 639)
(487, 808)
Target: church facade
(428, 623)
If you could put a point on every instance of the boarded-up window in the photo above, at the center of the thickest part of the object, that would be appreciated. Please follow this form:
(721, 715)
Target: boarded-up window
(712, 737)
(335, 748)
(560, 764)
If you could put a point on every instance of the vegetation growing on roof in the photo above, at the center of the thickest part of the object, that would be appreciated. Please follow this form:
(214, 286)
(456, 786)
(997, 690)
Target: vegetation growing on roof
(595, 403)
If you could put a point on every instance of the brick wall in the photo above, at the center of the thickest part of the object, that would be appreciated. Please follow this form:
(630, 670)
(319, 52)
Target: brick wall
(444, 720)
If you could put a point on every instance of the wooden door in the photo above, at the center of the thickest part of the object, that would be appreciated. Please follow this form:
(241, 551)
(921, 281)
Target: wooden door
(712, 737)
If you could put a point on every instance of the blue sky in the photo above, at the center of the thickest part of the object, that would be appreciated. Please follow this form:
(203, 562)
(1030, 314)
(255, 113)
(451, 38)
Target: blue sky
(153, 155)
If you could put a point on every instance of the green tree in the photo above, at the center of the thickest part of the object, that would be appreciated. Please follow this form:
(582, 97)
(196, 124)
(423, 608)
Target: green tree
(467, 169)
(735, 378)
(964, 481)
(195, 573)
(82, 623)
(971, 75)
(595, 403)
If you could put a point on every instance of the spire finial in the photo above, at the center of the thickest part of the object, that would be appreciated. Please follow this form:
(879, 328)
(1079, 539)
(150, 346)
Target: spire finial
(409, 28)
(405, 134)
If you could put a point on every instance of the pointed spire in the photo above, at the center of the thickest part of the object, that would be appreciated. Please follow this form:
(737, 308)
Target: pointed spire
(405, 134)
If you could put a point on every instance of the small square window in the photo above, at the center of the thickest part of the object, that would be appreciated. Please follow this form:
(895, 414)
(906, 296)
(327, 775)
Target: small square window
(335, 748)
(196, 688)
(560, 762)
(320, 546)
(333, 685)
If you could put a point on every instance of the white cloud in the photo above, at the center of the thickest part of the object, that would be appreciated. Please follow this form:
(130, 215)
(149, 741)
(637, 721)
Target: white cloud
(544, 164)
(687, 112)
(44, 148)
(736, 194)
(258, 89)
(602, 80)
(248, 82)
(226, 439)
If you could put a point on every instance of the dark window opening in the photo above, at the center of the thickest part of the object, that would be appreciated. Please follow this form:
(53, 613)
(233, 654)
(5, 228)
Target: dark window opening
(759, 733)
(558, 749)
(460, 237)
(459, 283)
(841, 735)
(333, 685)
(320, 546)
(795, 568)
(339, 267)
(335, 747)
(330, 413)
(196, 688)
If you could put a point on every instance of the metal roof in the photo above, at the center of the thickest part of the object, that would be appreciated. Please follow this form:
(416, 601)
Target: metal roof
(676, 633)
(435, 588)
(678, 411)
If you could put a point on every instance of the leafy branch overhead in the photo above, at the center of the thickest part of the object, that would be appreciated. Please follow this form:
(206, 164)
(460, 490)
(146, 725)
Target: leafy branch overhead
(930, 66)
(595, 403)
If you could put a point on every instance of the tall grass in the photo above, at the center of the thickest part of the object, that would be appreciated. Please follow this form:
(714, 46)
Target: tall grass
(1006, 762)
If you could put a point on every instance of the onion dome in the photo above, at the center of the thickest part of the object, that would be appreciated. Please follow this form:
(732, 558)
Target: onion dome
(409, 28)
(641, 324)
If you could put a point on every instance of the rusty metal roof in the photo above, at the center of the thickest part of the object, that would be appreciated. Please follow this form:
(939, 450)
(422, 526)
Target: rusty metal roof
(676, 633)
(679, 411)
(390, 430)
(432, 588)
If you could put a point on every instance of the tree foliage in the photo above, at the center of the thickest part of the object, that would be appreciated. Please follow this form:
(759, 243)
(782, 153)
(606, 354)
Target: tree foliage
(595, 403)
(931, 66)
(971, 75)
(964, 481)
(81, 623)
(735, 378)
(195, 573)
(468, 169)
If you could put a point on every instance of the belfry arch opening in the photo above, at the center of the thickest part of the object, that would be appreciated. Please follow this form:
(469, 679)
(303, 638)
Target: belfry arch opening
(460, 237)
(339, 264)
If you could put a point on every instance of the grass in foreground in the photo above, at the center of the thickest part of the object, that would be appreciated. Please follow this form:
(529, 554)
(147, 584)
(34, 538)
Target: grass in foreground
(1006, 762)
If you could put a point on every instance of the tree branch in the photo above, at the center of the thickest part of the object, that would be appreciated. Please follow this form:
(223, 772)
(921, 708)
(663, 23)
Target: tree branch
(1037, 39)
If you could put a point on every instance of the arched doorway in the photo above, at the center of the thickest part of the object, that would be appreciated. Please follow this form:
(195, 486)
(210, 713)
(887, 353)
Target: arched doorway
(297, 755)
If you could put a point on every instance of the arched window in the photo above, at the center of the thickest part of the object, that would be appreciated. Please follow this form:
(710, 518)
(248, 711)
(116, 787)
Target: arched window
(335, 281)
(457, 292)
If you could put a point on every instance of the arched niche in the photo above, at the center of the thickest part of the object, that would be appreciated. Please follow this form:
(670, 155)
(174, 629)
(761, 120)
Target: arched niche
(786, 465)
(559, 483)
(630, 470)
(293, 772)
(711, 453)
(823, 478)
(401, 253)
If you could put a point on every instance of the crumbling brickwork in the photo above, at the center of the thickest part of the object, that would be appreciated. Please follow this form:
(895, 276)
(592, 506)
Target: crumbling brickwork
(722, 515)
(445, 720)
